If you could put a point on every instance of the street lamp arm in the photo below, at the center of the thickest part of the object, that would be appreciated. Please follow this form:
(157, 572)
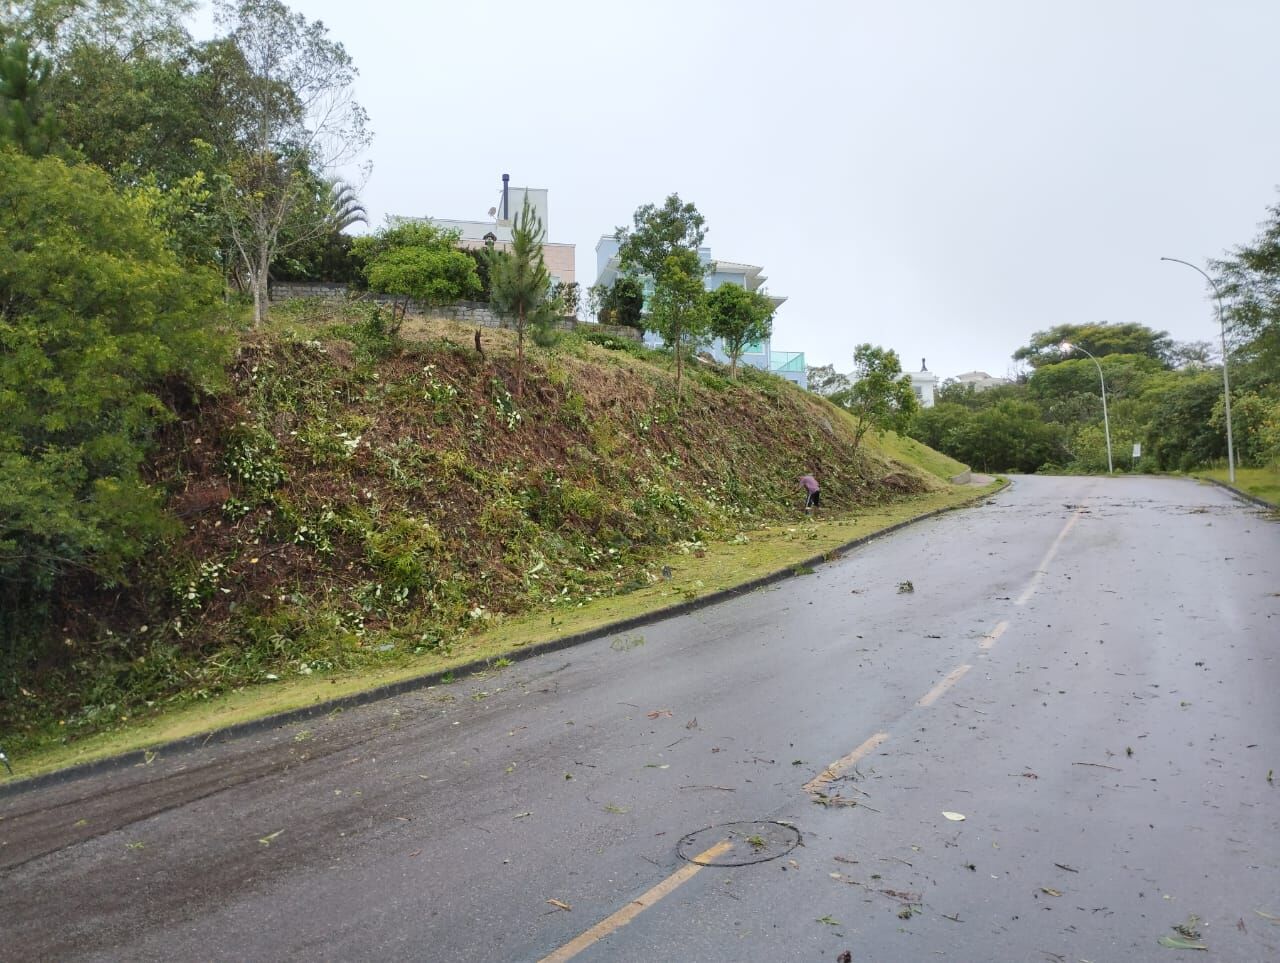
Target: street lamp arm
(1216, 290)
(1106, 420)
(1226, 381)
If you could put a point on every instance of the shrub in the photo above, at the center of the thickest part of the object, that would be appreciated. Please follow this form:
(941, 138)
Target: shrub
(99, 323)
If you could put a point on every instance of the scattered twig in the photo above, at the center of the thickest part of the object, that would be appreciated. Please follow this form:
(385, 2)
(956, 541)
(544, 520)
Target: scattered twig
(1066, 867)
(678, 741)
(900, 896)
(954, 919)
(971, 709)
(721, 788)
(885, 859)
(1097, 765)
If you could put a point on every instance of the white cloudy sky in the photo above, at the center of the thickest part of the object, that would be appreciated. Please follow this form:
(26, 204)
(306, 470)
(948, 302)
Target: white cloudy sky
(936, 176)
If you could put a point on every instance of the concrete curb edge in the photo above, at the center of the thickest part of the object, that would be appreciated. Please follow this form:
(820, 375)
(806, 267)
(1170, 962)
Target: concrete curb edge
(1240, 494)
(302, 713)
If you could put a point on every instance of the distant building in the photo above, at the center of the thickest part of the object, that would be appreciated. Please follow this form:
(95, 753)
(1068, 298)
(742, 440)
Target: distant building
(979, 380)
(788, 364)
(497, 230)
(925, 384)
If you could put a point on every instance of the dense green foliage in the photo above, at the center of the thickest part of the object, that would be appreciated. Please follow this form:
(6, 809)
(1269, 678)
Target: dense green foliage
(26, 121)
(416, 261)
(738, 317)
(620, 303)
(1163, 397)
(1250, 282)
(235, 139)
(662, 246)
(1099, 339)
(879, 396)
(99, 323)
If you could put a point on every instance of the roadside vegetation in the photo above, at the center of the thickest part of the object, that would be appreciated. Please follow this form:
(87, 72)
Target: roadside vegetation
(353, 498)
(1163, 397)
(205, 495)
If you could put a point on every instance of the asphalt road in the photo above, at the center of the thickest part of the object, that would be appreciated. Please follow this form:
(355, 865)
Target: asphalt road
(1087, 670)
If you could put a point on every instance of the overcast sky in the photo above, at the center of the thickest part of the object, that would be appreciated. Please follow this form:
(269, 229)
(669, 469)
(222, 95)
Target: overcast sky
(942, 178)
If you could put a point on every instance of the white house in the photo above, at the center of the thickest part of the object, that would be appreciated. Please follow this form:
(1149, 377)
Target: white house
(979, 380)
(925, 384)
(497, 230)
(788, 364)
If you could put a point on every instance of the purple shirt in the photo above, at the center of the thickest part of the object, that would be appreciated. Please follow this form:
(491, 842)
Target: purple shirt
(810, 483)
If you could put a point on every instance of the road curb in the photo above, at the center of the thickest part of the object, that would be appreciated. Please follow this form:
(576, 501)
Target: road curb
(1240, 494)
(142, 757)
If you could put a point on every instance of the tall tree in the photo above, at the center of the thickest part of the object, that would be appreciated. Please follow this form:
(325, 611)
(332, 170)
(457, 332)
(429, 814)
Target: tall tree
(299, 119)
(1250, 283)
(520, 282)
(96, 316)
(825, 380)
(27, 120)
(1099, 338)
(662, 245)
(54, 27)
(678, 309)
(881, 396)
(738, 317)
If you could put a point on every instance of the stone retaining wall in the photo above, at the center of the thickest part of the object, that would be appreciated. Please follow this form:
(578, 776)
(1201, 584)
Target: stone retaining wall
(464, 312)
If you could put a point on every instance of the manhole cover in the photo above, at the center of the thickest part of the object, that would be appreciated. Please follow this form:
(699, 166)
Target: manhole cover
(738, 844)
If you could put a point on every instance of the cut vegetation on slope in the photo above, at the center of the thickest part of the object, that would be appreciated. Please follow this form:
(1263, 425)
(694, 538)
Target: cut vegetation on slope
(357, 502)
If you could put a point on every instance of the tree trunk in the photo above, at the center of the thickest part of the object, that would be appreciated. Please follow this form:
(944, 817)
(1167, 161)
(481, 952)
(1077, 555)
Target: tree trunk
(520, 352)
(679, 389)
(259, 284)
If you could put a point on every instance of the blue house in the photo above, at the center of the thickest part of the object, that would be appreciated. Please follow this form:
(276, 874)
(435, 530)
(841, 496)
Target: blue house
(788, 364)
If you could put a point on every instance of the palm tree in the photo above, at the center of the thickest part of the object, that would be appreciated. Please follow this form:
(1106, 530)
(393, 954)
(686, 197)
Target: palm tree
(345, 208)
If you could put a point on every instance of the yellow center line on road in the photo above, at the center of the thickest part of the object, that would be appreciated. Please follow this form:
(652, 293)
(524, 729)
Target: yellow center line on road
(837, 768)
(954, 676)
(990, 638)
(1043, 567)
(613, 923)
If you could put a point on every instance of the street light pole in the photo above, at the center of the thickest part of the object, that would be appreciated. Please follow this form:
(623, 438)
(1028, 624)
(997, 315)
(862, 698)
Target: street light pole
(1226, 384)
(1106, 421)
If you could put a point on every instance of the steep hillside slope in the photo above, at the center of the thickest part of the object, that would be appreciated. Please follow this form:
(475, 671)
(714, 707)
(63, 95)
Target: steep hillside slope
(357, 498)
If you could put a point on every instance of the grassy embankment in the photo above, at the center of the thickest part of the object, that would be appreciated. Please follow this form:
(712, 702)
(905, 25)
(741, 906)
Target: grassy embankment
(1261, 483)
(361, 510)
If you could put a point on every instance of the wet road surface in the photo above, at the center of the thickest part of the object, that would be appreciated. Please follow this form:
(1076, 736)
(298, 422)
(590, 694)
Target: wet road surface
(1087, 670)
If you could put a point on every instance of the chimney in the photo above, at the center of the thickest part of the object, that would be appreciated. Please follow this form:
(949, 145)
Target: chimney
(506, 179)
